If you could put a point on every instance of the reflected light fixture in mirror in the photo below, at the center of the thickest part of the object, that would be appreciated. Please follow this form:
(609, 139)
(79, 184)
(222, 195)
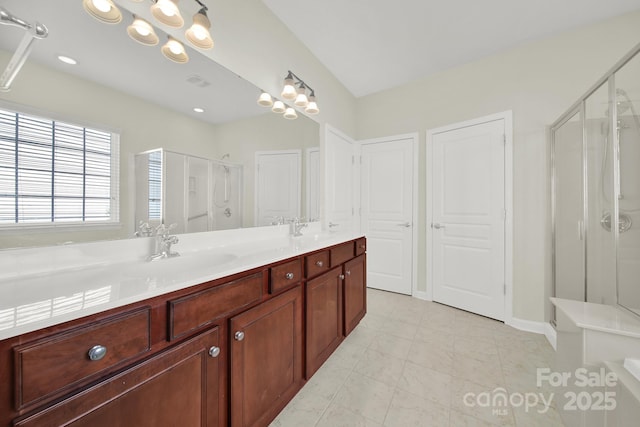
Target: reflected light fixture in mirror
(174, 50)
(312, 107)
(265, 100)
(278, 107)
(167, 13)
(198, 34)
(142, 32)
(290, 114)
(103, 10)
(289, 91)
(301, 99)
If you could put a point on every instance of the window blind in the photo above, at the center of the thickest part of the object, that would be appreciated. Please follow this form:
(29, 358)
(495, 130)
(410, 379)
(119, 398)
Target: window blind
(54, 172)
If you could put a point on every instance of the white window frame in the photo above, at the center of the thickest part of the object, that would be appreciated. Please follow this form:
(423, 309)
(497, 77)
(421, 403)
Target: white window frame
(114, 222)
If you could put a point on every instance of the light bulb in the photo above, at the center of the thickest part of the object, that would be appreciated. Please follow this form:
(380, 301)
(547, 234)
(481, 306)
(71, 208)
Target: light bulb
(198, 34)
(289, 91)
(167, 12)
(103, 6)
(199, 31)
(175, 47)
(142, 27)
(312, 106)
(301, 100)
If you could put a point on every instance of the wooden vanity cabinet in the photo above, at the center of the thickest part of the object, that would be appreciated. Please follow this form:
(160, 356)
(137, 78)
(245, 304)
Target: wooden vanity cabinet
(177, 387)
(324, 330)
(230, 352)
(355, 292)
(266, 358)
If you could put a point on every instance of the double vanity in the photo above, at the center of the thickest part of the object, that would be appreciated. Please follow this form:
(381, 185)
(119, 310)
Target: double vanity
(225, 334)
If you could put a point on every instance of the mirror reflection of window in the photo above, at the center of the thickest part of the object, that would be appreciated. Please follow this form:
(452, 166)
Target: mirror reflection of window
(155, 185)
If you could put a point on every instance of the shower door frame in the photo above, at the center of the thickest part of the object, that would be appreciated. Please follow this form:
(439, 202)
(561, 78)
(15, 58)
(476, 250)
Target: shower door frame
(579, 107)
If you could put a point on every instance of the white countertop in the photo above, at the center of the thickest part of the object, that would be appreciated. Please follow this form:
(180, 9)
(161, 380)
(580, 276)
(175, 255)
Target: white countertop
(599, 317)
(48, 286)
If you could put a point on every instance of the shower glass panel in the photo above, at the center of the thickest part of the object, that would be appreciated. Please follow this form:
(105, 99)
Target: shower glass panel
(569, 259)
(600, 240)
(627, 95)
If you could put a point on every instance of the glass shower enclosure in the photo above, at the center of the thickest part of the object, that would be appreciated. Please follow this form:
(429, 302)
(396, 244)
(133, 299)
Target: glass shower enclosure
(596, 192)
(195, 193)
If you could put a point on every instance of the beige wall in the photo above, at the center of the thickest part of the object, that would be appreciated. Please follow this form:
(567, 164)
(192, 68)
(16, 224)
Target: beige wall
(538, 82)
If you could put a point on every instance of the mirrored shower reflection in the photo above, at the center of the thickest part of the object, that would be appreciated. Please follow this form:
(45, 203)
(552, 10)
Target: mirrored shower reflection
(194, 193)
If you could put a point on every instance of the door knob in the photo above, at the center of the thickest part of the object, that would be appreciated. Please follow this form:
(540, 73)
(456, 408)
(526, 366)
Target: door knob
(437, 225)
(331, 225)
(239, 336)
(405, 224)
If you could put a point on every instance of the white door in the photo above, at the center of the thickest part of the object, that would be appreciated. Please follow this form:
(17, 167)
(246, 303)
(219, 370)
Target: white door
(387, 203)
(340, 173)
(277, 185)
(468, 218)
(313, 184)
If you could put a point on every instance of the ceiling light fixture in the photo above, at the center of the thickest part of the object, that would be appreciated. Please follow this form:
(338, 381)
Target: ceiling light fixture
(198, 110)
(312, 106)
(198, 34)
(291, 93)
(174, 50)
(167, 13)
(301, 98)
(142, 32)
(103, 10)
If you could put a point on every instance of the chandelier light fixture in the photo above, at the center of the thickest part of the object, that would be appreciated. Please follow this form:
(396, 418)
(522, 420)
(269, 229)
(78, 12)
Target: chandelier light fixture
(166, 12)
(294, 89)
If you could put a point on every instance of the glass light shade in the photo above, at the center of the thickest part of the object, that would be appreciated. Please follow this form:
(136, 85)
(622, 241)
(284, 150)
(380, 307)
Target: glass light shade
(198, 34)
(290, 114)
(167, 12)
(278, 107)
(301, 100)
(103, 10)
(289, 91)
(142, 32)
(265, 100)
(312, 107)
(174, 50)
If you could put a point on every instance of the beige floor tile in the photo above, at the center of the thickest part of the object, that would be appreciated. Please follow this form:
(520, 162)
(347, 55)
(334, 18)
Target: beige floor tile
(398, 328)
(466, 397)
(427, 383)
(484, 372)
(432, 356)
(410, 410)
(365, 396)
(435, 337)
(346, 356)
(338, 415)
(326, 382)
(381, 367)
(391, 345)
(362, 336)
(459, 419)
(478, 349)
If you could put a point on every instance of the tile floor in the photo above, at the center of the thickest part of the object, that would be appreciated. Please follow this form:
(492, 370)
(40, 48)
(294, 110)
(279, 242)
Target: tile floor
(412, 362)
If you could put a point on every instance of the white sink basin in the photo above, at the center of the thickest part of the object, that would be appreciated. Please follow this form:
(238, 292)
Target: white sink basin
(183, 264)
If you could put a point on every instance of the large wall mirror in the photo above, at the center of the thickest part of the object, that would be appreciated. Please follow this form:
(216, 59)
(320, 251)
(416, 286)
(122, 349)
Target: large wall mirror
(122, 86)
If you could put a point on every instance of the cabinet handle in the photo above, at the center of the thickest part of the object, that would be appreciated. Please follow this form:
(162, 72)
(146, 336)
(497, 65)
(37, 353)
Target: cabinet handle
(239, 336)
(97, 352)
(319, 263)
(214, 351)
(348, 272)
(289, 276)
(341, 277)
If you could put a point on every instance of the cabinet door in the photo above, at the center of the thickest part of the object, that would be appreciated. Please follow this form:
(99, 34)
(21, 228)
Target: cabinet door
(324, 318)
(266, 358)
(178, 387)
(355, 292)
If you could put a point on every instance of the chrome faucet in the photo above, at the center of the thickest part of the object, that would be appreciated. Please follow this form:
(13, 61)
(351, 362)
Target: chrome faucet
(295, 227)
(163, 243)
(144, 230)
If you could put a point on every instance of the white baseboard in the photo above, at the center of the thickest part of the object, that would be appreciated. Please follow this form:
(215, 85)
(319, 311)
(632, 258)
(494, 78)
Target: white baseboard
(421, 295)
(543, 328)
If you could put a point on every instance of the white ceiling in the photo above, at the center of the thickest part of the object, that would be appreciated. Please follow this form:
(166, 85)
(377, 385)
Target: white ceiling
(372, 45)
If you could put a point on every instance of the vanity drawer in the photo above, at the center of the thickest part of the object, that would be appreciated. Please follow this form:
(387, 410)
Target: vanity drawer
(361, 246)
(284, 275)
(316, 263)
(342, 253)
(193, 312)
(47, 366)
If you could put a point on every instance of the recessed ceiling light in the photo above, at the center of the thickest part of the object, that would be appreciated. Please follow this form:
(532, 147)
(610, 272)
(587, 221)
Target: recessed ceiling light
(198, 110)
(67, 60)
